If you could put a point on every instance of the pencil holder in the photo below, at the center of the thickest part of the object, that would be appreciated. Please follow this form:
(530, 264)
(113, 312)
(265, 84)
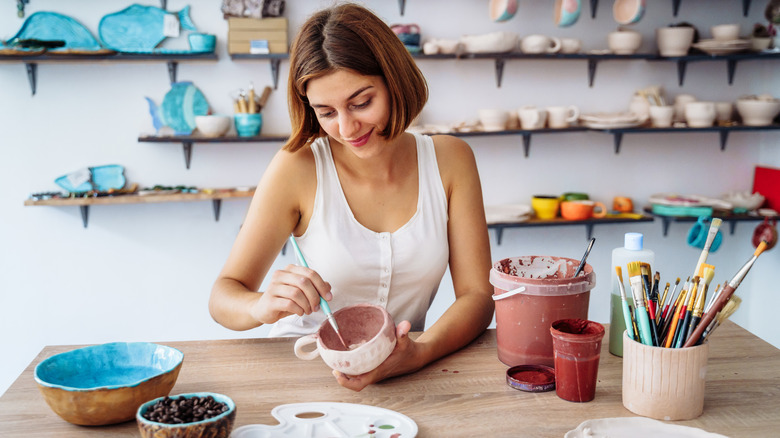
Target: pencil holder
(664, 383)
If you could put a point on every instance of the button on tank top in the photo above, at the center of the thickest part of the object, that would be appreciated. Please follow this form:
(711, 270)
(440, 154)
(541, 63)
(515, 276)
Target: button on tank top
(400, 271)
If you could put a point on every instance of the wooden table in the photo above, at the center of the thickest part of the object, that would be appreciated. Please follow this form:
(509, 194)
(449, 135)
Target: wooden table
(462, 395)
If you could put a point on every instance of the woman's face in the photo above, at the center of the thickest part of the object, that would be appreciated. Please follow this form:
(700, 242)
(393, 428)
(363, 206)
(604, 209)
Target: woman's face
(352, 109)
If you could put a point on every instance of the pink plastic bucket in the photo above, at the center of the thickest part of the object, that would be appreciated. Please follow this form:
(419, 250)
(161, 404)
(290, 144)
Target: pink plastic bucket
(551, 293)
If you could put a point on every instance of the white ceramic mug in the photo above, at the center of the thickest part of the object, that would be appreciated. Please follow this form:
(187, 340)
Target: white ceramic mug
(562, 116)
(724, 111)
(700, 114)
(532, 117)
(674, 41)
(679, 106)
(661, 116)
(571, 45)
(540, 44)
(624, 42)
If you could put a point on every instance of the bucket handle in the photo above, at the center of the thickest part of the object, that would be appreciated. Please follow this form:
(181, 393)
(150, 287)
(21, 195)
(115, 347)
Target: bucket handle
(509, 294)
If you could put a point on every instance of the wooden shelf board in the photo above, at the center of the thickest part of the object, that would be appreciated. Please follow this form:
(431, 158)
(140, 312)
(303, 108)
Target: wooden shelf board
(141, 199)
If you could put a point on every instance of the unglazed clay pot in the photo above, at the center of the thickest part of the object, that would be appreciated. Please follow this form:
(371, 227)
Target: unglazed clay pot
(368, 331)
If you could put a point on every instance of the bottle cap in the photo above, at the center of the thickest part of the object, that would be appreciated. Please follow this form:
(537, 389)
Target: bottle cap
(531, 378)
(633, 241)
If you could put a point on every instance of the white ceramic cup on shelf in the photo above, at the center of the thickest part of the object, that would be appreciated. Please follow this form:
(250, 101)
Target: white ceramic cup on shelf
(661, 116)
(674, 41)
(562, 116)
(540, 44)
(700, 114)
(724, 111)
(532, 117)
(571, 45)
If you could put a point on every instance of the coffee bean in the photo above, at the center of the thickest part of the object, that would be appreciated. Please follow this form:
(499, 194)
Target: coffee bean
(184, 410)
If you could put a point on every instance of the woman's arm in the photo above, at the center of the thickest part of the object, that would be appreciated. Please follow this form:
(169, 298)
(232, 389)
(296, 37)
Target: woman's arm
(275, 211)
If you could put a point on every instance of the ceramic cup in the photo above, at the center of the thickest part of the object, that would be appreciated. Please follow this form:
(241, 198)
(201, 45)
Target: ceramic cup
(724, 111)
(532, 117)
(661, 116)
(697, 235)
(562, 116)
(700, 114)
(248, 125)
(566, 12)
(368, 331)
(725, 32)
(571, 45)
(674, 41)
(540, 44)
(582, 209)
(664, 383)
(493, 119)
(202, 42)
(624, 42)
(679, 106)
(545, 206)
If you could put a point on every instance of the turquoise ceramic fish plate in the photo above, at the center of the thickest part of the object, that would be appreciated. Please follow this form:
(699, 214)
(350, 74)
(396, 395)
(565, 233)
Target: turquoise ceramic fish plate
(140, 29)
(51, 26)
(98, 178)
(179, 107)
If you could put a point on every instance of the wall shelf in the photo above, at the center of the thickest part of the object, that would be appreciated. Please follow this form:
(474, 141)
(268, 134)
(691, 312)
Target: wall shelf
(275, 59)
(588, 223)
(188, 140)
(526, 133)
(723, 132)
(731, 61)
(31, 62)
(731, 218)
(85, 202)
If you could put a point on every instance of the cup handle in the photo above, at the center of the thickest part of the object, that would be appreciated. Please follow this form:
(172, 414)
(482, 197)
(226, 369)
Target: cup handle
(574, 114)
(556, 47)
(304, 341)
(599, 210)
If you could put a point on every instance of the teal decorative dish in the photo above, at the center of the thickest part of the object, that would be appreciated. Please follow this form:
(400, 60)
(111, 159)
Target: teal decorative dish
(99, 178)
(51, 26)
(179, 107)
(139, 29)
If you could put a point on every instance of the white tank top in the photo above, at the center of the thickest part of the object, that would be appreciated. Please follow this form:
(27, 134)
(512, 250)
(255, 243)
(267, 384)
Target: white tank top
(399, 271)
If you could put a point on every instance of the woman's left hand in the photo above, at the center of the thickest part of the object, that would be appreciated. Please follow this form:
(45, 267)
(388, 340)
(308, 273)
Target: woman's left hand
(400, 361)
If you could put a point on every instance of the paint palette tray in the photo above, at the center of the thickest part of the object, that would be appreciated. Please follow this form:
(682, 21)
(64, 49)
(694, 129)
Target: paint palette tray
(325, 419)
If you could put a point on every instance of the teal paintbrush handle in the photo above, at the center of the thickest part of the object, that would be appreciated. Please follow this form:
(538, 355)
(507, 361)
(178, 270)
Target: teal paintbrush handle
(643, 321)
(627, 318)
(323, 304)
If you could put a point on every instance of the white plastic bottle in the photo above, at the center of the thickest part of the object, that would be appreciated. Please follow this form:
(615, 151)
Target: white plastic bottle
(631, 251)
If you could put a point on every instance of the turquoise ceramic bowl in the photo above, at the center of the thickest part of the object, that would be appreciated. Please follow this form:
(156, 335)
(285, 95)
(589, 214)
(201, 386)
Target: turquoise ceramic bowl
(202, 42)
(248, 125)
(216, 427)
(566, 12)
(105, 384)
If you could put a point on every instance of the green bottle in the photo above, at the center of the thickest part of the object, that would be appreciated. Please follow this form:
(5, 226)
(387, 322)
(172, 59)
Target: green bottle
(631, 251)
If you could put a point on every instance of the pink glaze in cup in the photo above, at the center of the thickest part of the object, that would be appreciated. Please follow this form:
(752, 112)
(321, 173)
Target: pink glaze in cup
(367, 329)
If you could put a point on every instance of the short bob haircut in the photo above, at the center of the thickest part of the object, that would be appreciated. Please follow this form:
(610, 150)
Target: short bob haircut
(351, 37)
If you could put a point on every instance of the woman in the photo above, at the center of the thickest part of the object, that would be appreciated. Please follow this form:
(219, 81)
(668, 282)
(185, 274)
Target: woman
(378, 213)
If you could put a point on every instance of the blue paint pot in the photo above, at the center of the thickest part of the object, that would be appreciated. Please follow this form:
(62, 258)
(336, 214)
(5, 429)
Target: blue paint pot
(248, 125)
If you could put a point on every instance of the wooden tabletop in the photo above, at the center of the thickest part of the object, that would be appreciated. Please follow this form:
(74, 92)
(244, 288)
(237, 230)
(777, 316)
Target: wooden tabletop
(464, 394)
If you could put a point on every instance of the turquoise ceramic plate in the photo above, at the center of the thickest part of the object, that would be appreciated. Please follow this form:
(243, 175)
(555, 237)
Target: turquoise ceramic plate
(102, 178)
(139, 28)
(676, 210)
(51, 26)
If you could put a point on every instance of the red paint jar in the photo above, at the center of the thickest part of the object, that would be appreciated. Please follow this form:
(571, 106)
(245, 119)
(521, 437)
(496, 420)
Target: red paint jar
(551, 293)
(577, 349)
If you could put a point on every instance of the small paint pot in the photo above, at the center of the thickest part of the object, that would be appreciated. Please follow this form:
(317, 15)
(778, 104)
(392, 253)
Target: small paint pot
(566, 12)
(202, 42)
(531, 378)
(502, 10)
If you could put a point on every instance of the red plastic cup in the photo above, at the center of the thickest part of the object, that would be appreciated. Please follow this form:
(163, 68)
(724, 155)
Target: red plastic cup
(576, 350)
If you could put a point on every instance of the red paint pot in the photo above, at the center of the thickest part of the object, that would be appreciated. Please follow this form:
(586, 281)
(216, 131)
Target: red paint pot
(551, 292)
(577, 348)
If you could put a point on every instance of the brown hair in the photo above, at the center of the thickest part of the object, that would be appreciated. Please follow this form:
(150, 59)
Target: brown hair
(351, 37)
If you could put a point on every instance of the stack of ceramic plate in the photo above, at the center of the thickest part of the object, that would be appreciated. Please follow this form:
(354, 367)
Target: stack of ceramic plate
(673, 204)
(507, 213)
(611, 120)
(715, 47)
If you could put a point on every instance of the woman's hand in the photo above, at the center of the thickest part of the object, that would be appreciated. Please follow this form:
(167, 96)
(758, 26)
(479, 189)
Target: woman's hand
(401, 361)
(293, 290)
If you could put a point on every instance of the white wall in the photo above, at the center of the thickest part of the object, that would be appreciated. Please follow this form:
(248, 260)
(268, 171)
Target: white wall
(143, 272)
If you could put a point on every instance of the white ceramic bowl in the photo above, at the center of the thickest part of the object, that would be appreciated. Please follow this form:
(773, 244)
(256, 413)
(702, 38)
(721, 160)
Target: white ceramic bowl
(624, 42)
(758, 112)
(674, 41)
(213, 125)
(493, 119)
(725, 32)
(494, 42)
(746, 200)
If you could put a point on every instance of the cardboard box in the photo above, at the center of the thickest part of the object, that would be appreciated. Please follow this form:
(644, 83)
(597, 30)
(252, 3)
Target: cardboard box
(277, 23)
(246, 35)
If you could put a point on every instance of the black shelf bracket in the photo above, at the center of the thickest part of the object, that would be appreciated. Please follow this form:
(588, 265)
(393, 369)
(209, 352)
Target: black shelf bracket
(745, 7)
(499, 71)
(187, 147)
(617, 140)
(592, 63)
(665, 221)
(724, 137)
(172, 65)
(526, 143)
(681, 64)
(84, 214)
(401, 6)
(275, 71)
(217, 205)
(499, 233)
(594, 4)
(731, 66)
(32, 75)
(675, 7)
(588, 231)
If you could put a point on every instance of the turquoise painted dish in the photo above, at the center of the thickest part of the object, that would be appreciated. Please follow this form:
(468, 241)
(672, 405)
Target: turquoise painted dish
(179, 107)
(101, 179)
(139, 28)
(215, 427)
(677, 210)
(105, 384)
(51, 26)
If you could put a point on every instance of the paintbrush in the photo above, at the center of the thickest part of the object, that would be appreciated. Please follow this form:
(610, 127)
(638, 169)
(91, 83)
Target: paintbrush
(672, 299)
(725, 294)
(626, 310)
(698, 308)
(723, 315)
(584, 257)
(661, 302)
(687, 314)
(679, 314)
(651, 301)
(707, 244)
(643, 319)
(323, 304)
(673, 311)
